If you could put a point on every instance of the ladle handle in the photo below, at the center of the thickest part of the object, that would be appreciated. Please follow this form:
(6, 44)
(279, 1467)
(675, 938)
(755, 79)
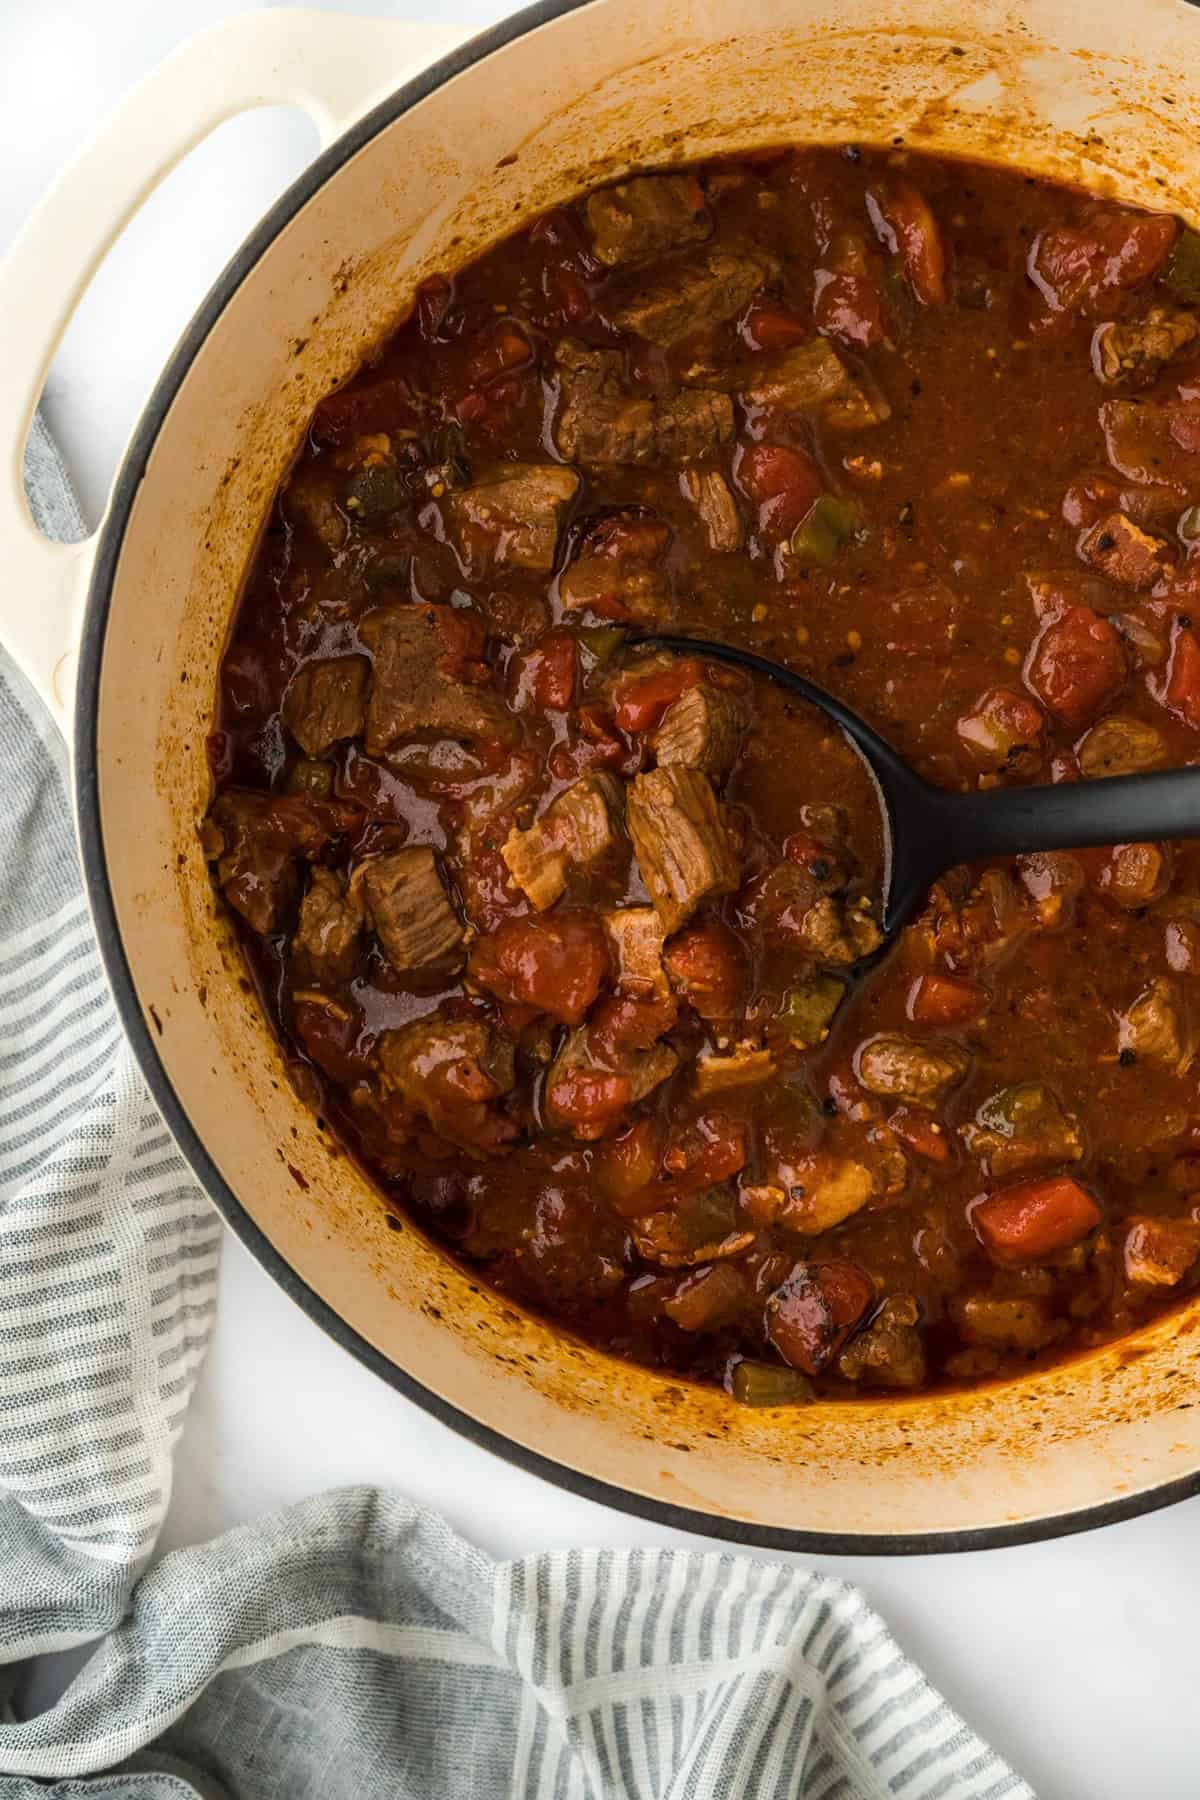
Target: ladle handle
(1120, 809)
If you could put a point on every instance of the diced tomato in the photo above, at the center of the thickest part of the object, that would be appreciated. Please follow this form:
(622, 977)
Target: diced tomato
(471, 408)
(782, 482)
(765, 327)
(1076, 666)
(1083, 265)
(1183, 675)
(592, 745)
(1032, 1220)
(542, 678)
(497, 351)
(922, 1135)
(642, 700)
(944, 1000)
(906, 226)
(386, 405)
(567, 293)
(1003, 730)
(331, 1036)
(706, 963)
(591, 1101)
(810, 1317)
(627, 1167)
(554, 961)
(803, 848)
(848, 1290)
(712, 1150)
(621, 1025)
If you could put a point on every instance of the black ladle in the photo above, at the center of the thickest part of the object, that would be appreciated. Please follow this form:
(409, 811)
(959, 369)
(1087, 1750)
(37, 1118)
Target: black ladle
(928, 830)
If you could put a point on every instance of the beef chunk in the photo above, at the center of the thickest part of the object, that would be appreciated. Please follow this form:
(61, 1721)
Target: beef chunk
(1124, 553)
(309, 498)
(694, 294)
(326, 702)
(969, 928)
(1142, 346)
(410, 908)
(901, 1068)
(708, 1298)
(1155, 1026)
(331, 922)
(820, 1188)
(1054, 880)
(1153, 442)
(1021, 1128)
(646, 217)
(683, 849)
(451, 1072)
(574, 833)
(602, 423)
(256, 840)
(589, 1089)
(813, 378)
(797, 909)
(745, 1065)
(709, 493)
(635, 937)
(1159, 1252)
(618, 568)
(700, 730)
(698, 1228)
(890, 1352)
(1004, 1324)
(1120, 745)
(414, 690)
(1135, 875)
(512, 516)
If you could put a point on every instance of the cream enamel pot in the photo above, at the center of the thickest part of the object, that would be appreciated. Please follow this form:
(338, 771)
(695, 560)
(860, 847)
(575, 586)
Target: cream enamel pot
(558, 97)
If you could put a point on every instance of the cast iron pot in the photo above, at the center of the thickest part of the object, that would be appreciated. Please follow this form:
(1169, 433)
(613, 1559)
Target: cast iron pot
(133, 622)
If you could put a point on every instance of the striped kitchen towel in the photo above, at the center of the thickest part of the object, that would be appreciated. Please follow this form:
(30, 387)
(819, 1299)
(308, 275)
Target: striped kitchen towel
(353, 1646)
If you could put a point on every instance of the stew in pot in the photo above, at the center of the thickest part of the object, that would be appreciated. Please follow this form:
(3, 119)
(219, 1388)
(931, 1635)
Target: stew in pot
(576, 942)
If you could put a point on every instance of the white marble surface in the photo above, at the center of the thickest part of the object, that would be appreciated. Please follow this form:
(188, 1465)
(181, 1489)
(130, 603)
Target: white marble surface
(1077, 1658)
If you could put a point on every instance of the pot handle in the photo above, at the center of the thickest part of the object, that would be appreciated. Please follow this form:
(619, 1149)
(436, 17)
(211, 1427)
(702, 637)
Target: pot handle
(336, 68)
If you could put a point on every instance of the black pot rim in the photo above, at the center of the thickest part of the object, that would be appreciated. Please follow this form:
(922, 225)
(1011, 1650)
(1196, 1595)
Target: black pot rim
(95, 869)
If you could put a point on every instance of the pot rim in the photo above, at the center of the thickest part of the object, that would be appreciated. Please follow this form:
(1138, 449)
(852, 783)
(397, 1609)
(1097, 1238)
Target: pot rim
(100, 898)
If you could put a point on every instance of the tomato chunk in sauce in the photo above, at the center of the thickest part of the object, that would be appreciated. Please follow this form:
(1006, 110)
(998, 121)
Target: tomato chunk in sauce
(575, 942)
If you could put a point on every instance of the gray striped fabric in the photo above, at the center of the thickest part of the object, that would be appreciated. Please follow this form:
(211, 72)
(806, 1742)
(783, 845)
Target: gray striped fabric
(108, 1249)
(352, 1647)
